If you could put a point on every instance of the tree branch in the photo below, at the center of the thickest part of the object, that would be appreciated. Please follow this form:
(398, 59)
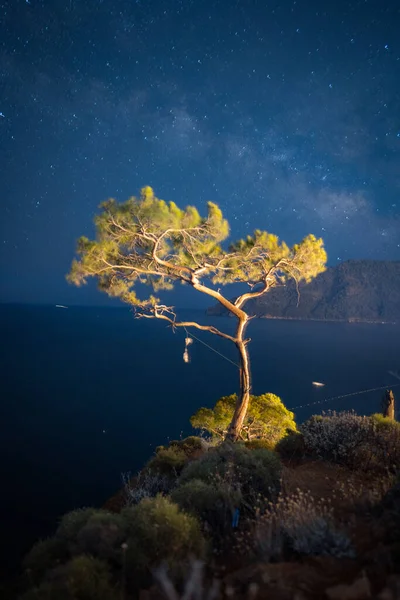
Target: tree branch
(210, 328)
(240, 314)
(269, 275)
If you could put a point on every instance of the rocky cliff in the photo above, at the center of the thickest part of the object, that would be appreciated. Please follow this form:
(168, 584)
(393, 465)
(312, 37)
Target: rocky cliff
(365, 290)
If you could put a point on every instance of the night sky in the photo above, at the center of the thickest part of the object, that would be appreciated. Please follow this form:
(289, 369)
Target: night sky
(286, 113)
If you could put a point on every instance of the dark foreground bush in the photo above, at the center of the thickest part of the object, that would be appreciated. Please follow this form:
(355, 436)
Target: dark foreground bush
(167, 461)
(102, 536)
(291, 446)
(213, 503)
(73, 522)
(83, 578)
(45, 555)
(255, 473)
(297, 525)
(158, 531)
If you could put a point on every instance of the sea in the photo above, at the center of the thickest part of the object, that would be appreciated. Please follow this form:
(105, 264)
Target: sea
(88, 393)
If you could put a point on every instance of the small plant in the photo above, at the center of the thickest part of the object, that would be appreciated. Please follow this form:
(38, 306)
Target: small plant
(364, 496)
(167, 461)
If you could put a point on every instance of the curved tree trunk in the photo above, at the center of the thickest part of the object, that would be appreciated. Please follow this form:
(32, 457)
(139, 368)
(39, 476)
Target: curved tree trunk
(242, 403)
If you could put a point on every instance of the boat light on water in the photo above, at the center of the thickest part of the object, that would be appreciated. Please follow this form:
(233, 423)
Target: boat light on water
(318, 384)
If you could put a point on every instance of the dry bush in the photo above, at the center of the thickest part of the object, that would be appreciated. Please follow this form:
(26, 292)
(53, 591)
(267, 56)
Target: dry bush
(367, 443)
(148, 484)
(296, 525)
(339, 437)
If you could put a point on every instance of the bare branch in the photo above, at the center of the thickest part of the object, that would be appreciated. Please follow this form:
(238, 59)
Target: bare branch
(160, 314)
(240, 314)
(269, 281)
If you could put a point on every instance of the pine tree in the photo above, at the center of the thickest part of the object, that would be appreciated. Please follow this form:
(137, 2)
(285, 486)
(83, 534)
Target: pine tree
(147, 240)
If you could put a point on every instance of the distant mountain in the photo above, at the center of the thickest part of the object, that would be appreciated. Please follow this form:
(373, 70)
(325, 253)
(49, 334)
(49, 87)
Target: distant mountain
(364, 290)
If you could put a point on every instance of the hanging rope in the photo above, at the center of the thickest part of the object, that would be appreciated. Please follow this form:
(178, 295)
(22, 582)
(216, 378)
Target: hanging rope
(211, 348)
(188, 341)
(383, 387)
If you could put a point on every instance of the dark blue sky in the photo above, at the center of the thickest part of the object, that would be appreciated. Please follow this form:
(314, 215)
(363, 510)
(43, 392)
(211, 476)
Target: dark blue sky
(286, 113)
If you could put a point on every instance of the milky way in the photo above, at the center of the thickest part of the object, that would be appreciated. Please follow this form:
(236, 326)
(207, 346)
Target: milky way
(287, 114)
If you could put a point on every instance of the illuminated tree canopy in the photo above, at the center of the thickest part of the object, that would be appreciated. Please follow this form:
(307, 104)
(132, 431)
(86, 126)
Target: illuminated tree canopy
(147, 240)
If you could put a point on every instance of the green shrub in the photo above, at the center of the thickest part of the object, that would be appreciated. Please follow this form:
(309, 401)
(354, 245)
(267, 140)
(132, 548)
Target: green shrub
(45, 555)
(159, 531)
(291, 446)
(384, 422)
(102, 536)
(386, 442)
(267, 418)
(73, 522)
(190, 445)
(83, 578)
(167, 461)
(213, 503)
(255, 472)
(256, 444)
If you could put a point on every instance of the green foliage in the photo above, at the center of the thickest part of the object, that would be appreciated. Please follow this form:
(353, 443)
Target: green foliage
(159, 531)
(263, 254)
(73, 522)
(213, 503)
(266, 418)
(256, 444)
(45, 555)
(291, 446)
(83, 578)
(130, 234)
(168, 461)
(384, 423)
(147, 240)
(256, 473)
(190, 445)
(102, 536)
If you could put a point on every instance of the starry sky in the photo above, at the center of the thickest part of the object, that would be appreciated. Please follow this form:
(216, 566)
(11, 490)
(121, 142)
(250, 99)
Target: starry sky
(284, 112)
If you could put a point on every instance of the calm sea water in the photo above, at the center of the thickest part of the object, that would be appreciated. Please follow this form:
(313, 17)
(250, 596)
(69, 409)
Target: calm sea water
(87, 393)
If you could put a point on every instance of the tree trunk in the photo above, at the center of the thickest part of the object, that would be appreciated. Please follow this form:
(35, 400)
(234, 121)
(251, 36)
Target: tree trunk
(242, 403)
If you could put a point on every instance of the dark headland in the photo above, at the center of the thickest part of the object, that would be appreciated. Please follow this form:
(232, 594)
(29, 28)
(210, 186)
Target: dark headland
(354, 290)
